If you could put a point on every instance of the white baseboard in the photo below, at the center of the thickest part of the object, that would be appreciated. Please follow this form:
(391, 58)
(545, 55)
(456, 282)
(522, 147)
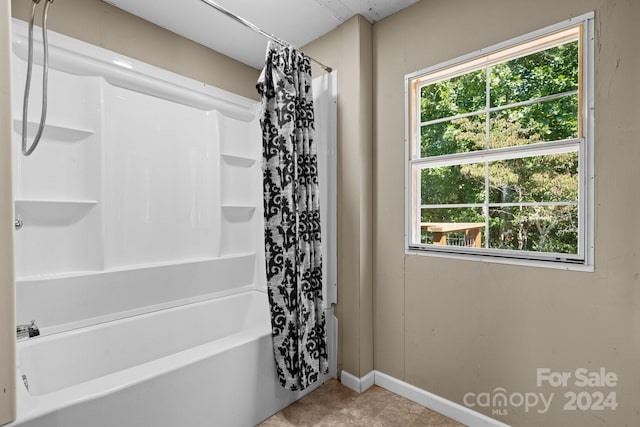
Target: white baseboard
(368, 381)
(350, 381)
(436, 403)
(359, 385)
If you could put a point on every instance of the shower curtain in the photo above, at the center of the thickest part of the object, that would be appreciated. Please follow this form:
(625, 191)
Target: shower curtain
(292, 218)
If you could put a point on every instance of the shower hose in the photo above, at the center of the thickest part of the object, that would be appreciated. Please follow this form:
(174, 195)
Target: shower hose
(45, 65)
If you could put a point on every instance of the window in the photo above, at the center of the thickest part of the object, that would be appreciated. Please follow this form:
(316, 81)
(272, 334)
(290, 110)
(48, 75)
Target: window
(499, 149)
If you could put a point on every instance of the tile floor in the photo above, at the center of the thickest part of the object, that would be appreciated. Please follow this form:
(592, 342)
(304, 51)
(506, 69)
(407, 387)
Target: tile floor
(333, 404)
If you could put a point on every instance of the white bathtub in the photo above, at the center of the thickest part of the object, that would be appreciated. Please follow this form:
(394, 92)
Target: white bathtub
(203, 364)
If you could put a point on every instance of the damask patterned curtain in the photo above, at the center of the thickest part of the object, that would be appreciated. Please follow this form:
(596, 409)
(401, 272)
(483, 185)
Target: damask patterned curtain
(292, 218)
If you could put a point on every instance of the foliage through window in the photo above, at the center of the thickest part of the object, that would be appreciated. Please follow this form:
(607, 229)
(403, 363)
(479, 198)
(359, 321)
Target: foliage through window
(499, 150)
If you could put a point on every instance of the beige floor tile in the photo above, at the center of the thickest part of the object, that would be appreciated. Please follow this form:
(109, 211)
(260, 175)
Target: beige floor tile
(400, 412)
(431, 418)
(334, 405)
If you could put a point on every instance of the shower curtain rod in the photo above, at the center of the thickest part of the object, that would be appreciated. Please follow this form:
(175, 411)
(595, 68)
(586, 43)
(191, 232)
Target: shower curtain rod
(255, 28)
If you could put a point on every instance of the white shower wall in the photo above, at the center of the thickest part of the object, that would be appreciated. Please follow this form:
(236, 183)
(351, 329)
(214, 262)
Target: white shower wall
(145, 191)
(57, 188)
(161, 180)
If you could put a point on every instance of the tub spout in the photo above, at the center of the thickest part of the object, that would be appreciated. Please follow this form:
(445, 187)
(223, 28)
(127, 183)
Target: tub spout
(27, 331)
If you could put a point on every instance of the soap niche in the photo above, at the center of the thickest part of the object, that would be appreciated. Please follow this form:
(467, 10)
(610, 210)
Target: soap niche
(57, 237)
(238, 139)
(238, 229)
(58, 169)
(238, 178)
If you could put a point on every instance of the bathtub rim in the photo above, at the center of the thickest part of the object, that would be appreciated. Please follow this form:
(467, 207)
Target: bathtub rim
(130, 267)
(82, 322)
(31, 407)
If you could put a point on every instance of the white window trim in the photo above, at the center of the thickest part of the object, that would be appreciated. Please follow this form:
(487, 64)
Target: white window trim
(586, 186)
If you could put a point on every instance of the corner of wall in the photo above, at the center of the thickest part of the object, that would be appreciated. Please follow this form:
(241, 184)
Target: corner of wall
(348, 49)
(366, 195)
(388, 234)
(7, 288)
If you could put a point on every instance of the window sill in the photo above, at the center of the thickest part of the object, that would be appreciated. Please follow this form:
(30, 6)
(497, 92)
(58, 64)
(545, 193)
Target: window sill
(488, 259)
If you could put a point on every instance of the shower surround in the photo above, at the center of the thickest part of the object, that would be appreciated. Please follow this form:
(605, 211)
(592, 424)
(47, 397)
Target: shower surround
(141, 254)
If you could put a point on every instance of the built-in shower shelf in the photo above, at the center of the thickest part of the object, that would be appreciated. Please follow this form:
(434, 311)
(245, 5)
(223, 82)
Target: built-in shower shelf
(52, 212)
(236, 160)
(55, 132)
(238, 213)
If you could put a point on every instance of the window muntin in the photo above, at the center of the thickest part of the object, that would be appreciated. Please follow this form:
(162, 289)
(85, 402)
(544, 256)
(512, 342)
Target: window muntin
(497, 150)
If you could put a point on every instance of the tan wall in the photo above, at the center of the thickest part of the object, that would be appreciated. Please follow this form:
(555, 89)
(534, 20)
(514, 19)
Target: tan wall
(7, 290)
(347, 49)
(452, 327)
(101, 24)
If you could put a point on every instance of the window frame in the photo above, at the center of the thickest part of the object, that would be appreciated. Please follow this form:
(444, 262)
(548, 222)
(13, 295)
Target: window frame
(584, 260)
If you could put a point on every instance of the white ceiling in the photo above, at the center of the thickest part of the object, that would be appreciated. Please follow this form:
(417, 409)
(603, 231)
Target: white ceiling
(296, 21)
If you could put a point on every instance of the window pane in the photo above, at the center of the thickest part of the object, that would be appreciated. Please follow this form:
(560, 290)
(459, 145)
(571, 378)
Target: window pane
(455, 136)
(548, 178)
(453, 185)
(515, 191)
(452, 226)
(458, 95)
(535, 228)
(545, 121)
(540, 74)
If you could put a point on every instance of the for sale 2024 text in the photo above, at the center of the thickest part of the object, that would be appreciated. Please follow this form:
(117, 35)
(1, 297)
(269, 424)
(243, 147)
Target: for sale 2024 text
(587, 399)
